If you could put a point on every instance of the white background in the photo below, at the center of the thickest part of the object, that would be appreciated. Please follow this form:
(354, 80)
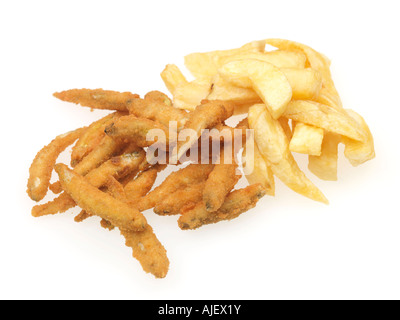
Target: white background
(288, 247)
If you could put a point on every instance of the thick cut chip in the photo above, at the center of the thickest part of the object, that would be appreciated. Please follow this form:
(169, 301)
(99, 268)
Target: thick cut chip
(286, 127)
(358, 152)
(330, 99)
(172, 77)
(236, 203)
(261, 172)
(307, 139)
(325, 165)
(206, 64)
(306, 83)
(97, 98)
(279, 58)
(42, 166)
(274, 146)
(186, 95)
(317, 61)
(241, 98)
(256, 168)
(325, 117)
(224, 90)
(267, 81)
(189, 95)
(91, 199)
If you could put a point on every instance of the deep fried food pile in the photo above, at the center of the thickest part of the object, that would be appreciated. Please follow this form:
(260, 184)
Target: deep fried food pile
(111, 177)
(291, 105)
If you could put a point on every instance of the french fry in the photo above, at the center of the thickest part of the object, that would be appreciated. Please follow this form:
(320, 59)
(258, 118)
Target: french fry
(91, 199)
(307, 139)
(224, 90)
(261, 172)
(284, 122)
(206, 64)
(306, 83)
(358, 152)
(325, 165)
(317, 61)
(97, 98)
(266, 80)
(325, 117)
(172, 77)
(274, 146)
(279, 58)
(190, 94)
(330, 99)
(42, 166)
(236, 203)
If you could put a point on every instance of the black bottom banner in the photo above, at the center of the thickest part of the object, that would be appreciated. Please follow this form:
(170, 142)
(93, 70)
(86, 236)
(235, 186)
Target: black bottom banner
(204, 309)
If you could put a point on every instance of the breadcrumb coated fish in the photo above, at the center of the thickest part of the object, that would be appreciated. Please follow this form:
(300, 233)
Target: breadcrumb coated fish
(236, 203)
(42, 166)
(91, 199)
(97, 98)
